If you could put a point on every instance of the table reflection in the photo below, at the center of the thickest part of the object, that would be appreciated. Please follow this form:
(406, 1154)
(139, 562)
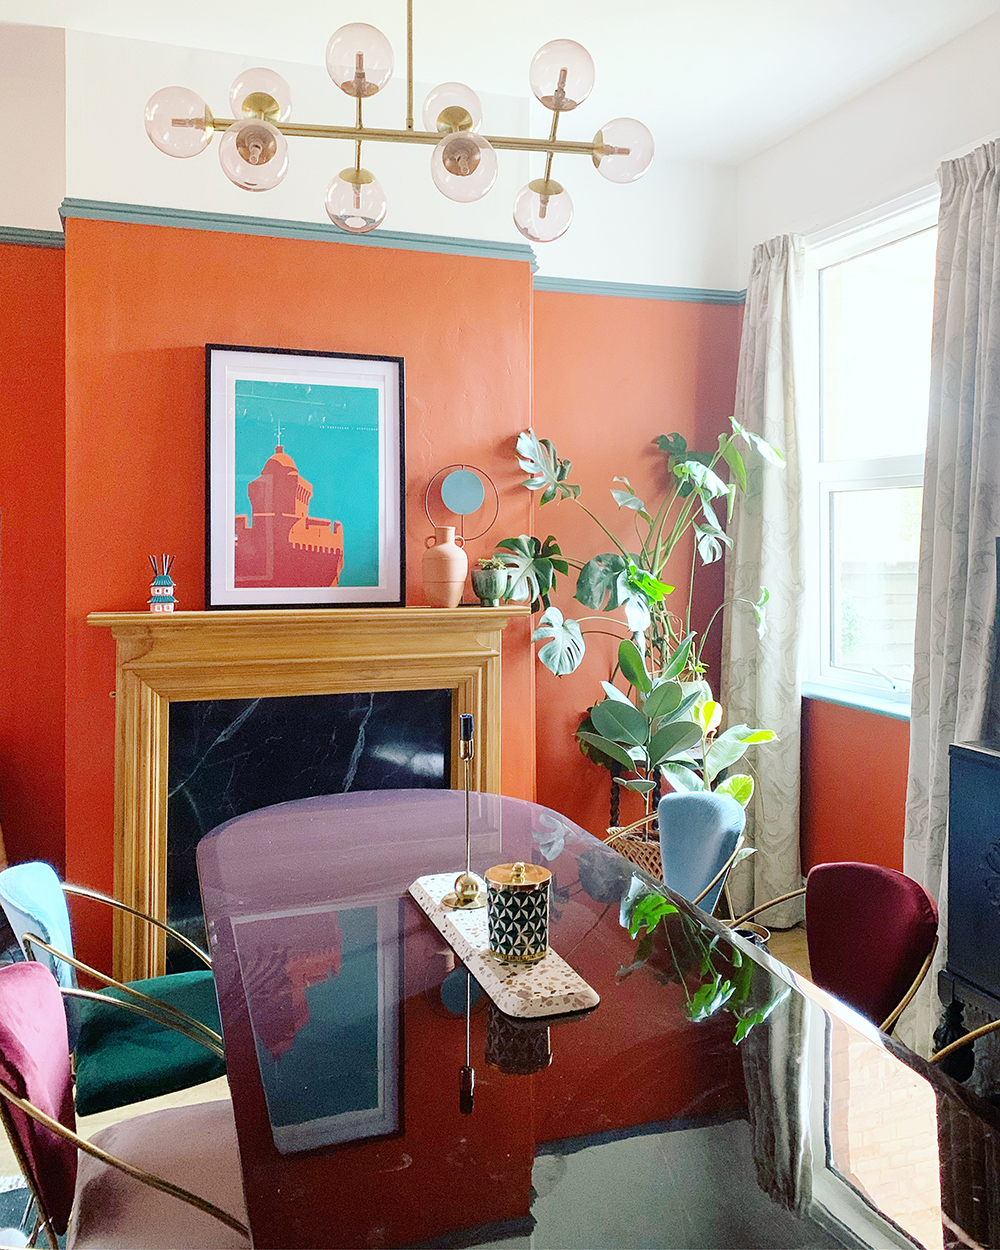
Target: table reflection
(711, 1099)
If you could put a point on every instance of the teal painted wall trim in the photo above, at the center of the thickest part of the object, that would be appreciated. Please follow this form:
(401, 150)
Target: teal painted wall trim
(231, 223)
(638, 290)
(32, 238)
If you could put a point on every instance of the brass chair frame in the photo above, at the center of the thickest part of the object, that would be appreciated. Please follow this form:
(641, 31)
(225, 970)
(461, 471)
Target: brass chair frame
(7, 1096)
(162, 1013)
(890, 1020)
(965, 1040)
(79, 891)
(167, 1015)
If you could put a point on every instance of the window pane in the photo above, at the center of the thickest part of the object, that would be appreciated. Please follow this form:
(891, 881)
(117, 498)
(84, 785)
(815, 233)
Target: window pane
(876, 314)
(875, 539)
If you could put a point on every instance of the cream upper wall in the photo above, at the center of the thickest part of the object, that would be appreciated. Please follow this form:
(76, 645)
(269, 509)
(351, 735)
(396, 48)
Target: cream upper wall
(32, 70)
(685, 224)
(119, 164)
(881, 145)
(675, 227)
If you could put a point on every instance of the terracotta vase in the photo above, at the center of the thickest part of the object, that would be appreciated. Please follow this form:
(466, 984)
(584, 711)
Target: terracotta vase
(446, 567)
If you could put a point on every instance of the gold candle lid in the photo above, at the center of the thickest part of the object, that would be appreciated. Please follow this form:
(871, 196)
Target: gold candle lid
(519, 876)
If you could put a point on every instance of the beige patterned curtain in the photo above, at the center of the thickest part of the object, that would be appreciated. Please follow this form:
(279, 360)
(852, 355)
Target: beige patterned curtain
(954, 653)
(761, 676)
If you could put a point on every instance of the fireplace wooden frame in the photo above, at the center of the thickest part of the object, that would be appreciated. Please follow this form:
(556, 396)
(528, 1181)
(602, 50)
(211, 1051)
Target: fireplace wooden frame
(168, 657)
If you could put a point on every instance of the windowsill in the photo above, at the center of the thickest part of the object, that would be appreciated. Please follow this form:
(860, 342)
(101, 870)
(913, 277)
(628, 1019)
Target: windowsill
(825, 692)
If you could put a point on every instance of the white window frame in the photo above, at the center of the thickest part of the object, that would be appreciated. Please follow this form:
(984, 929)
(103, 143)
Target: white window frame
(820, 480)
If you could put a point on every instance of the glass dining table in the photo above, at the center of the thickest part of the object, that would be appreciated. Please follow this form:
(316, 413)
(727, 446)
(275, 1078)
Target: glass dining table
(712, 1098)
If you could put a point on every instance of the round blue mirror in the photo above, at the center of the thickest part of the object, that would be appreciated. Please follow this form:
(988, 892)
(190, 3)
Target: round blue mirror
(463, 492)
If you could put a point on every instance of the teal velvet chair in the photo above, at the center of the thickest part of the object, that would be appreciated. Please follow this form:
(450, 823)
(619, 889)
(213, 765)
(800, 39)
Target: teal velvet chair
(699, 837)
(129, 1041)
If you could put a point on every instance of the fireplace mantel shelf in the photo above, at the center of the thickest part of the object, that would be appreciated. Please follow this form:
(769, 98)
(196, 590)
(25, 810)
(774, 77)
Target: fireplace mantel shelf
(310, 619)
(165, 657)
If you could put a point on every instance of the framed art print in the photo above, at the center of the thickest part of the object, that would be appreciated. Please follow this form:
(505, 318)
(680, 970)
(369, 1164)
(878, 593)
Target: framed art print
(305, 488)
(323, 988)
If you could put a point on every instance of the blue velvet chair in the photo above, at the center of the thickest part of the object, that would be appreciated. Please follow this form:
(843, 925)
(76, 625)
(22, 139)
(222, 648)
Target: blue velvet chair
(130, 1041)
(699, 838)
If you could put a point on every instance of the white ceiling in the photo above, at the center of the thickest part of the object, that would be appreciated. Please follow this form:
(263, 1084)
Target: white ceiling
(716, 80)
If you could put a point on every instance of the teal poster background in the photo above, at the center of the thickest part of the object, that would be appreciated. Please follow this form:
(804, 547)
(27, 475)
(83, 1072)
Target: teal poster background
(331, 432)
(332, 1067)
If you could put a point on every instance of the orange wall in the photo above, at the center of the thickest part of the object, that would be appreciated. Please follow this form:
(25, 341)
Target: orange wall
(610, 374)
(32, 552)
(142, 301)
(854, 766)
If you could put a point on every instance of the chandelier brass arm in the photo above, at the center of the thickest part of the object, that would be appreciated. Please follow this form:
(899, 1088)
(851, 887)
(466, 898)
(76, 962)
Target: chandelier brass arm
(253, 150)
(505, 143)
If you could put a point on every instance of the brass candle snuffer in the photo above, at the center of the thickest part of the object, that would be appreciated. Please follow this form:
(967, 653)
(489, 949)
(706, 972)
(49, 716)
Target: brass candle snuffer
(470, 890)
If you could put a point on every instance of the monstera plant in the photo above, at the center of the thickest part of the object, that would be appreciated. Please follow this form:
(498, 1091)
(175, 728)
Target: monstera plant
(629, 576)
(712, 972)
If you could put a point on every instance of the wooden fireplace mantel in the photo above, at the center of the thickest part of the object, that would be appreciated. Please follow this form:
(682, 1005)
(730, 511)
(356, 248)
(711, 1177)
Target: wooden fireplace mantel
(183, 656)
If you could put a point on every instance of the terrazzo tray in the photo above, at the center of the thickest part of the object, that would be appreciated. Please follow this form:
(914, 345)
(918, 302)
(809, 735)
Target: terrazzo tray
(547, 988)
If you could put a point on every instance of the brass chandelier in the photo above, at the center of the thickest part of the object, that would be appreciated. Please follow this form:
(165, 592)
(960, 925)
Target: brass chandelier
(253, 150)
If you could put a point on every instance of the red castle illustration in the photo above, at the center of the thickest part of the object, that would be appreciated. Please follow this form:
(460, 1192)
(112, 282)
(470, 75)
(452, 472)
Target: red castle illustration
(284, 545)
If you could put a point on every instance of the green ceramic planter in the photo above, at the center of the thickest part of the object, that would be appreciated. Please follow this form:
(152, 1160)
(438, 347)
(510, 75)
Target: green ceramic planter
(490, 586)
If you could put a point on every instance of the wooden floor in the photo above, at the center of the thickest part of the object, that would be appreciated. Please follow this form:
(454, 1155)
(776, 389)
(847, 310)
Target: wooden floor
(789, 945)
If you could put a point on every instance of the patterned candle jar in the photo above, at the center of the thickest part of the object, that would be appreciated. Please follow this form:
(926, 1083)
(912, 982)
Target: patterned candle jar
(518, 909)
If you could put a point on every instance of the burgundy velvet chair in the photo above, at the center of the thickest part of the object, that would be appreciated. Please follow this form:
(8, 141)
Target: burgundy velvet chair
(103, 1200)
(871, 933)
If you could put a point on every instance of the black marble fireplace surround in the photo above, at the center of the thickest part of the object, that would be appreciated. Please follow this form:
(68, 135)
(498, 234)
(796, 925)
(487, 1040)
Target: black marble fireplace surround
(230, 756)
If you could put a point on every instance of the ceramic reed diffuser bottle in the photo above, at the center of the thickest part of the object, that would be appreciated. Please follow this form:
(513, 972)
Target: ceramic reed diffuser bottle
(446, 567)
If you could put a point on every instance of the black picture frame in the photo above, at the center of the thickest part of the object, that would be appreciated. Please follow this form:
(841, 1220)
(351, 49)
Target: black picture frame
(335, 423)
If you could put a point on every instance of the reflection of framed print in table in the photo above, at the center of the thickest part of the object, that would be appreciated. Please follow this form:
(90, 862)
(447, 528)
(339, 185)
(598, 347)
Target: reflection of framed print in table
(305, 486)
(322, 986)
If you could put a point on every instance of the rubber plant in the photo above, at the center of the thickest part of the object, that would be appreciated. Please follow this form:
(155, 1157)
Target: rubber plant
(630, 575)
(668, 726)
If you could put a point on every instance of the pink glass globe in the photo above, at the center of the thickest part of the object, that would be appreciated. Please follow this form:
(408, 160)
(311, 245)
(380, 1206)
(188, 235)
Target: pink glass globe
(178, 122)
(254, 155)
(464, 167)
(561, 74)
(623, 150)
(261, 93)
(452, 106)
(355, 201)
(359, 59)
(543, 210)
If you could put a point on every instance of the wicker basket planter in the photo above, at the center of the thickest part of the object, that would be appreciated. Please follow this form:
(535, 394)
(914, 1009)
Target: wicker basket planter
(638, 846)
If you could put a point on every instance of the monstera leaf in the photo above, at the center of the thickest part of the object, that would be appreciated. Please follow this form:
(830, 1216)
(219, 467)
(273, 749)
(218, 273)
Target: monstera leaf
(627, 498)
(564, 650)
(598, 581)
(533, 566)
(538, 457)
(763, 448)
(611, 581)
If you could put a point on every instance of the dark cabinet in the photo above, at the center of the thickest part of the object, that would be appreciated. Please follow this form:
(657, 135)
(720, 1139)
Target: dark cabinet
(972, 974)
